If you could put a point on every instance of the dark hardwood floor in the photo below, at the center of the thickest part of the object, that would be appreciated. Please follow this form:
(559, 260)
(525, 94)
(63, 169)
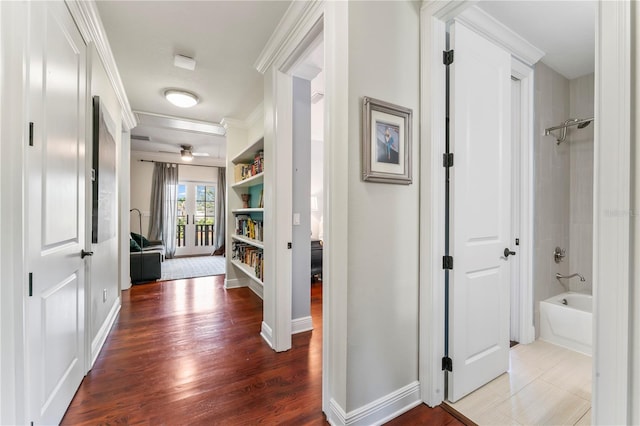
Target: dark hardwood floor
(190, 352)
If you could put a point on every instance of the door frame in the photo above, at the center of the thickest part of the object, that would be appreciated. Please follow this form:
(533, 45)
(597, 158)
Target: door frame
(610, 399)
(434, 18)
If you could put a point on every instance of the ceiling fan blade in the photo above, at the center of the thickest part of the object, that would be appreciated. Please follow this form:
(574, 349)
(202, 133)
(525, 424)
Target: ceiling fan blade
(200, 154)
(169, 152)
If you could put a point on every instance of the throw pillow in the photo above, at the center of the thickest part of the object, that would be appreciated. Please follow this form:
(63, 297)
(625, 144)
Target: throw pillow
(133, 245)
(138, 238)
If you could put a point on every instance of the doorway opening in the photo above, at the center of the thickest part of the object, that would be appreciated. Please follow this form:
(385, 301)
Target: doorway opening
(561, 215)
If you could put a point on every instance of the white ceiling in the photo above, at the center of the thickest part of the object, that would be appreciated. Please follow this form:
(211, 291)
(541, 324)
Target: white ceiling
(564, 30)
(224, 37)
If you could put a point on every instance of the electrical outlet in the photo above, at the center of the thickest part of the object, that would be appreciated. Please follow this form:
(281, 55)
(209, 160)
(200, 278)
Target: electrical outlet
(104, 295)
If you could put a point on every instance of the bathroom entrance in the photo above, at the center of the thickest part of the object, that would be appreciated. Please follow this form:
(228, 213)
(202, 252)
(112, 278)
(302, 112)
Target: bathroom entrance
(549, 192)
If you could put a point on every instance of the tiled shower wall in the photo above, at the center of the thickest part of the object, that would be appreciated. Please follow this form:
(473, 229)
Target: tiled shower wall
(581, 210)
(552, 186)
(563, 200)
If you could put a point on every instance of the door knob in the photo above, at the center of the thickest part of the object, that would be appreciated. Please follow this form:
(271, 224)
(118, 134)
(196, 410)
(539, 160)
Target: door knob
(507, 252)
(85, 253)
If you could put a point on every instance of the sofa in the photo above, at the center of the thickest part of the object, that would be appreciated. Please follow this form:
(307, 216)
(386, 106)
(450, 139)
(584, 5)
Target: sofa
(145, 266)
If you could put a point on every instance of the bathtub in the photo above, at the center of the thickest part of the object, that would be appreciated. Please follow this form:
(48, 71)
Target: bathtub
(569, 324)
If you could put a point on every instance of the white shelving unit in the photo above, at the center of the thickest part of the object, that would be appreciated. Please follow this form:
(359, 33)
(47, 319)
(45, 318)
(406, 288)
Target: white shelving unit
(247, 156)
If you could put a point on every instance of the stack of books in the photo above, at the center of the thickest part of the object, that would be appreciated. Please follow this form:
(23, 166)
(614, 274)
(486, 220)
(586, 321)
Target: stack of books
(249, 255)
(245, 171)
(248, 227)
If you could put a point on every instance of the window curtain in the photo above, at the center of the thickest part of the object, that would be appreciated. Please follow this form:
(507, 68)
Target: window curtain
(164, 205)
(220, 218)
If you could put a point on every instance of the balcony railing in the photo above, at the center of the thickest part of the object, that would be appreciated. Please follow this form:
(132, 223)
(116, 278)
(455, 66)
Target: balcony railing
(180, 236)
(204, 235)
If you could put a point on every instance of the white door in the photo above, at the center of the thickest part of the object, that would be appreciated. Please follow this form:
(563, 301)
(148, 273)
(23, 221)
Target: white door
(55, 223)
(196, 217)
(481, 208)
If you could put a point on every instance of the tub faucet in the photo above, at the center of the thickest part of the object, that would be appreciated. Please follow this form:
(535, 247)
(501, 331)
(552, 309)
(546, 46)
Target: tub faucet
(571, 276)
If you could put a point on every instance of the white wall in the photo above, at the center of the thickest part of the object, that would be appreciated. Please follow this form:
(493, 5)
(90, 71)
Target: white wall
(104, 262)
(552, 186)
(580, 255)
(382, 287)
(635, 260)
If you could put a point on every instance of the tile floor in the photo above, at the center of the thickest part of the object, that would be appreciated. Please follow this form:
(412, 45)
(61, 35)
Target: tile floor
(545, 385)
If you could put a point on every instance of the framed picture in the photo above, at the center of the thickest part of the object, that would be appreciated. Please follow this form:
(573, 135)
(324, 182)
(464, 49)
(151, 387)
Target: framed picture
(104, 174)
(386, 142)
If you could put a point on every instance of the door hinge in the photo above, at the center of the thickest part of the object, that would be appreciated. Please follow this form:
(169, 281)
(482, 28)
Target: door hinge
(289, 245)
(447, 159)
(447, 262)
(31, 133)
(30, 284)
(447, 364)
(447, 57)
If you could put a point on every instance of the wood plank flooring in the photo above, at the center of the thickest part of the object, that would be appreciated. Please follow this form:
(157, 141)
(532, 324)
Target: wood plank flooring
(190, 352)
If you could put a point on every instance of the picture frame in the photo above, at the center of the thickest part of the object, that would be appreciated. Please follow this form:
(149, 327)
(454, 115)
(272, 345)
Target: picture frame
(386, 142)
(103, 174)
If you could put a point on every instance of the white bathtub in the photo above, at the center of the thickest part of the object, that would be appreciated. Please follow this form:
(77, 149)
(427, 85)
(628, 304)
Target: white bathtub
(569, 324)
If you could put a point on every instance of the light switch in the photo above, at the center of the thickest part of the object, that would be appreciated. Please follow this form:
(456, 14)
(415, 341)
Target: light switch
(296, 218)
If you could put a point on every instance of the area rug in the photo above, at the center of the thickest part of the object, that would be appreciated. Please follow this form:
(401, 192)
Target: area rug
(192, 267)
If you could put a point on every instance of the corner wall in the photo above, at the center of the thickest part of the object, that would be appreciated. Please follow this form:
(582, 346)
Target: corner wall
(383, 242)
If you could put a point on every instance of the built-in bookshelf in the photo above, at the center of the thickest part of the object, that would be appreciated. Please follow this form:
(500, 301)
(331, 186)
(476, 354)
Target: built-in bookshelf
(247, 235)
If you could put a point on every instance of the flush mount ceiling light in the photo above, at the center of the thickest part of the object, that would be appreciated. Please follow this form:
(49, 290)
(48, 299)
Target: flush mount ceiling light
(181, 98)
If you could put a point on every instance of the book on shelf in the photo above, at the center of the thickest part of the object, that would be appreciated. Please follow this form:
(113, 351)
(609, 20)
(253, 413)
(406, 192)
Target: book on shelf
(245, 171)
(250, 256)
(248, 227)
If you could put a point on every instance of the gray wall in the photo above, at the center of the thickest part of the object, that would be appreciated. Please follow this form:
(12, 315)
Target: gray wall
(301, 185)
(581, 158)
(104, 262)
(382, 293)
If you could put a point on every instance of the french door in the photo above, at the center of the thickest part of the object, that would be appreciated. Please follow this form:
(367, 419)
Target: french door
(196, 221)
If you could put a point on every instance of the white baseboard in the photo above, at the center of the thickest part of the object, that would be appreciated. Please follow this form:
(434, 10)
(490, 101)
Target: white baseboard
(103, 332)
(235, 283)
(300, 325)
(267, 334)
(379, 411)
(256, 288)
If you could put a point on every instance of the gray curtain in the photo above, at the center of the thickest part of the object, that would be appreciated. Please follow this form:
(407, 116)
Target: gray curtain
(164, 205)
(220, 219)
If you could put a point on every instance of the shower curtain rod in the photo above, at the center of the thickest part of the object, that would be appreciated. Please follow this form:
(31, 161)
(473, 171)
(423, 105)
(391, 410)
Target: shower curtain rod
(548, 131)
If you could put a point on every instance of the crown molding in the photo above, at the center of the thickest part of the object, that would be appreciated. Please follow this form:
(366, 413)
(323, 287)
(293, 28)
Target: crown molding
(485, 24)
(228, 122)
(85, 14)
(294, 26)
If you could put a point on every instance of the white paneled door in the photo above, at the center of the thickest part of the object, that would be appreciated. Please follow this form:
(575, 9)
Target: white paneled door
(480, 97)
(55, 197)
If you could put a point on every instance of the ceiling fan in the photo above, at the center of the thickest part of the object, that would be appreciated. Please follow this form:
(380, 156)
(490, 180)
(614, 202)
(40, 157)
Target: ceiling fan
(187, 154)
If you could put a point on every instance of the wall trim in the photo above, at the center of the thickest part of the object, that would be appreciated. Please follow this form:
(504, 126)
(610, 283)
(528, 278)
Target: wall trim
(267, 334)
(300, 325)
(494, 30)
(103, 332)
(257, 289)
(379, 411)
(236, 283)
(87, 18)
(292, 28)
(612, 215)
